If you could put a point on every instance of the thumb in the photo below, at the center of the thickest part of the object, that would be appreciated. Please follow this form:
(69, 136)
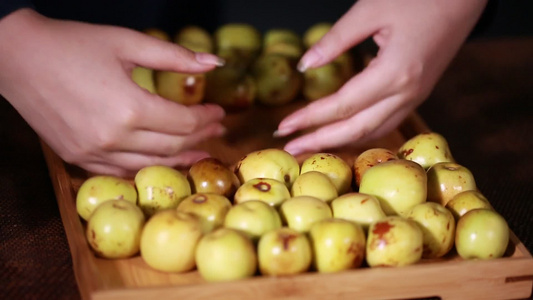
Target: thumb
(352, 28)
(150, 52)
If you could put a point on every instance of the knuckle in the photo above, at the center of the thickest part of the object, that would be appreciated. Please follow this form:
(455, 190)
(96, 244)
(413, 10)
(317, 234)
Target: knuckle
(75, 154)
(190, 124)
(130, 115)
(408, 78)
(172, 148)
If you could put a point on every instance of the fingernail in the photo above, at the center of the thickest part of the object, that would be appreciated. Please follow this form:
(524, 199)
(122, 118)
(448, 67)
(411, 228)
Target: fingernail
(209, 59)
(308, 60)
(302, 67)
(282, 132)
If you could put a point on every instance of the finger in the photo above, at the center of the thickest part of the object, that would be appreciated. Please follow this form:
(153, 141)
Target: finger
(364, 126)
(357, 94)
(164, 116)
(154, 53)
(127, 163)
(162, 144)
(355, 26)
(107, 169)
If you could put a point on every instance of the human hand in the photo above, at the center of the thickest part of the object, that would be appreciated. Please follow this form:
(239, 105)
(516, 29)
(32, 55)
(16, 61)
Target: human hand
(416, 39)
(72, 83)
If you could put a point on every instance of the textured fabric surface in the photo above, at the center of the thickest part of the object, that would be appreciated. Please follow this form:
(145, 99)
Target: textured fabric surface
(483, 105)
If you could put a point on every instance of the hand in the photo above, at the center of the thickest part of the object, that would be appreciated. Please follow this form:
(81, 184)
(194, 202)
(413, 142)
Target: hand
(72, 83)
(416, 39)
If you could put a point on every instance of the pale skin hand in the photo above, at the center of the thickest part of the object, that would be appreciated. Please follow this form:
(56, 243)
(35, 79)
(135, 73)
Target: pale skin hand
(417, 40)
(72, 83)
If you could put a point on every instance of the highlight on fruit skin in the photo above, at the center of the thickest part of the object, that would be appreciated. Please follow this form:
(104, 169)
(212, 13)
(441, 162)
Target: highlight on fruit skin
(268, 163)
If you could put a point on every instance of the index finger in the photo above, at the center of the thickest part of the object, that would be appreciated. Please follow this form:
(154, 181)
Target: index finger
(358, 23)
(165, 116)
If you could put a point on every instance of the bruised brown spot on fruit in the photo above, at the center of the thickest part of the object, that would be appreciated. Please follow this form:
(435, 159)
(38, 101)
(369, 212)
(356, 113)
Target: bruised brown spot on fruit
(437, 147)
(262, 186)
(287, 178)
(200, 199)
(119, 206)
(170, 191)
(286, 239)
(448, 225)
(364, 201)
(407, 152)
(93, 234)
(417, 249)
(381, 228)
(190, 86)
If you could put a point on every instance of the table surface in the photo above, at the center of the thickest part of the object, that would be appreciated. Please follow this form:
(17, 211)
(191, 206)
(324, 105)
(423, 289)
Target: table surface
(482, 105)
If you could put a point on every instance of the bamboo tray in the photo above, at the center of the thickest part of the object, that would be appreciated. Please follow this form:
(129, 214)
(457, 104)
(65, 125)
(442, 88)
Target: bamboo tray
(510, 277)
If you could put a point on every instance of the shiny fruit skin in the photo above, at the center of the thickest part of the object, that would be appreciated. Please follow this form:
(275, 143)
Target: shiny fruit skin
(438, 227)
(299, 213)
(398, 185)
(100, 188)
(394, 242)
(370, 158)
(211, 209)
(144, 77)
(268, 190)
(284, 251)
(253, 217)
(333, 166)
(337, 244)
(465, 201)
(160, 187)
(268, 163)
(447, 179)
(226, 254)
(481, 234)
(210, 175)
(426, 149)
(114, 229)
(186, 89)
(359, 208)
(169, 241)
(316, 184)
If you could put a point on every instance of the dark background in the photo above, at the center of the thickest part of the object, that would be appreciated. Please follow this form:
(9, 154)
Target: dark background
(503, 17)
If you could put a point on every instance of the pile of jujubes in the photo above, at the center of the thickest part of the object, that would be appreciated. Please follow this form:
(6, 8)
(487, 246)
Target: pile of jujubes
(259, 68)
(269, 215)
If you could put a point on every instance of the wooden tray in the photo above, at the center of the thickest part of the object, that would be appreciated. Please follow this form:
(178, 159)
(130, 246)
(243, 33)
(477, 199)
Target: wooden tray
(510, 277)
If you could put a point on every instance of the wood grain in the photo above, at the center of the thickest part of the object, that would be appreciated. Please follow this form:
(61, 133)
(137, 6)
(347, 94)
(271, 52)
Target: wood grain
(510, 277)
